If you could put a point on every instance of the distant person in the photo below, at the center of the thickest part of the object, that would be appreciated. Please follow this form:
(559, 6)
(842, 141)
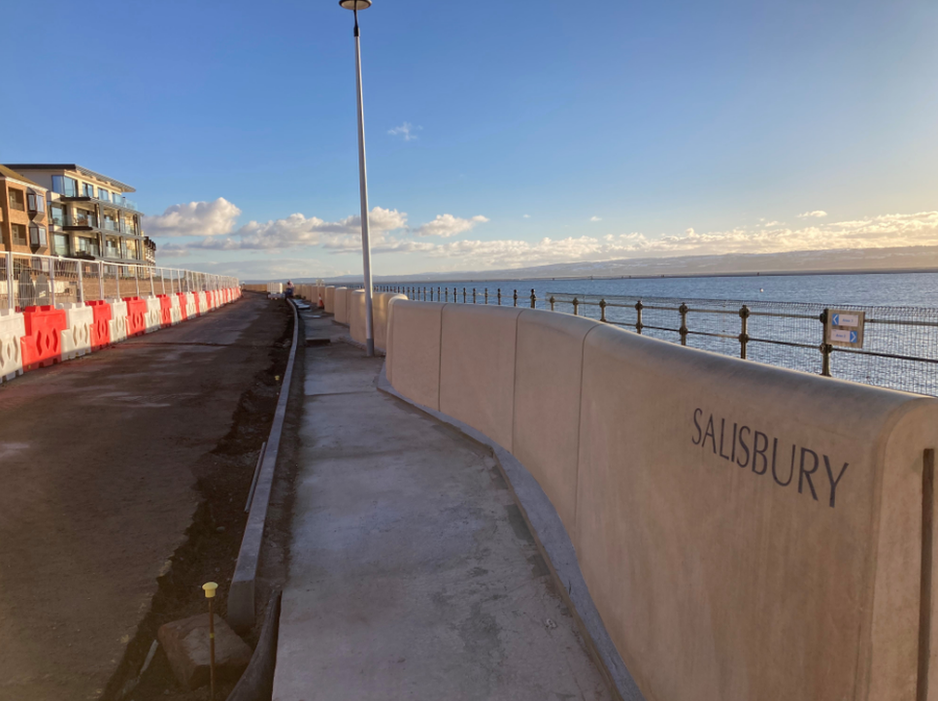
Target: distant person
(288, 292)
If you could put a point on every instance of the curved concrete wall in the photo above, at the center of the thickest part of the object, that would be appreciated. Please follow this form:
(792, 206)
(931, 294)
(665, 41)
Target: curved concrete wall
(746, 532)
(341, 304)
(379, 308)
(329, 300)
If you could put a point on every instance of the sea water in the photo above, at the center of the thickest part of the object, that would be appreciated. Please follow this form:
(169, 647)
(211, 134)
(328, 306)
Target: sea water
(871, 289)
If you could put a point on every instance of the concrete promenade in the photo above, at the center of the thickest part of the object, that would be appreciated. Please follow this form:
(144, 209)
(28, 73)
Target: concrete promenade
(413, 574)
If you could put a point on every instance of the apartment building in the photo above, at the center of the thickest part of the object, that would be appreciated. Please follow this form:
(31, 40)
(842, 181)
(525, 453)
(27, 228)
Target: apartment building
(89, 215)
(23, 218)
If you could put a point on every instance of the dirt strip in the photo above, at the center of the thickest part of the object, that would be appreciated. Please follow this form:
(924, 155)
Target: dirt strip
(124, 478)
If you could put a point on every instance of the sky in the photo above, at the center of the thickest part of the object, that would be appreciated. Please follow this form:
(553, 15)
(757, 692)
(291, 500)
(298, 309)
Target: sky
(498, 134)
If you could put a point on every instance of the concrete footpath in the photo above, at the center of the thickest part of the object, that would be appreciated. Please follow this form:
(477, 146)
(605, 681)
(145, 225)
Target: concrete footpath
(413, 574)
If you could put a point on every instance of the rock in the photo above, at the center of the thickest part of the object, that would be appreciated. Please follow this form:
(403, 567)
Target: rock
(186, 645)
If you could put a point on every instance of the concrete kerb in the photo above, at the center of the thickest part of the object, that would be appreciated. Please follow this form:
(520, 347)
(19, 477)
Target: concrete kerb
(554, 543)
(241, 615)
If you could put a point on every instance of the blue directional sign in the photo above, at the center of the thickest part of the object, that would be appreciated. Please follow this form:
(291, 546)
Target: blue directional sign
(845, 328)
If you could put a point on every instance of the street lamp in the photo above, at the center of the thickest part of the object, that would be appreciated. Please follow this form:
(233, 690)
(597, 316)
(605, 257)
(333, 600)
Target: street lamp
(355, 6)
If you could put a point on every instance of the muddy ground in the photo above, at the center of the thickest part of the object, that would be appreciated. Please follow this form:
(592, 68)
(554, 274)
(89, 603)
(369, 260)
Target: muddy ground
(124, 480)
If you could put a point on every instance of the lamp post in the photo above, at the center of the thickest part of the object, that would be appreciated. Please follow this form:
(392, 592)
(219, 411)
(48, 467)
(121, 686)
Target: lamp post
(355, 6)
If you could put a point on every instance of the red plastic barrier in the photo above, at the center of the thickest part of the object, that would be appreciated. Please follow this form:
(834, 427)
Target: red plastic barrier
(182, 305)
(166, 313)
(101, 329)
(42, 344)
(209, 300)
(195, 296)
(136, 316)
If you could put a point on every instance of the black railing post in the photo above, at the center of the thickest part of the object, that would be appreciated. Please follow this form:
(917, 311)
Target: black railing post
(638, 316)
(602, 310)
(463, 295)
(552, 302)
(473, 295)
(447, 293)
(455, 299)
(516, 298)
(499, 296)
(486, 295)
(683, 330)
(744, 331)
(533, 300)
(825, 347)
(576, 307)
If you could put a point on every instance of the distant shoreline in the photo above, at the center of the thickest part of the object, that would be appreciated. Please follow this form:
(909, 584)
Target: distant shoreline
(669, 276)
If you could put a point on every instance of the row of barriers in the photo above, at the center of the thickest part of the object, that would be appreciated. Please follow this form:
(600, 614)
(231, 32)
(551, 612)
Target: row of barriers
(745, 531)
(71, 322)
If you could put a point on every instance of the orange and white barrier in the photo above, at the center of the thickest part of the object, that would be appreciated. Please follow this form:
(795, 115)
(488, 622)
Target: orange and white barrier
(12, 329)
(76, 339)
(154, 317)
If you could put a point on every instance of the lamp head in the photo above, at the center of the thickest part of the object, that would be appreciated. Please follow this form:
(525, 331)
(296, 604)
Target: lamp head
(355, 4)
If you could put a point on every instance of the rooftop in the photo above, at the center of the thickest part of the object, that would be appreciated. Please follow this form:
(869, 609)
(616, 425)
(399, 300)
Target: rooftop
(123, 187)
(6, 172)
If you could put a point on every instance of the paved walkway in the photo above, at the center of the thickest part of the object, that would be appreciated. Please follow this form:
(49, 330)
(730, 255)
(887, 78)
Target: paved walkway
(413, 575)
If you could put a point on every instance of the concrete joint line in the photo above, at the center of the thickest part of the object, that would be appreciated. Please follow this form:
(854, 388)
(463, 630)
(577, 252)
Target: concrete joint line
(241, 593)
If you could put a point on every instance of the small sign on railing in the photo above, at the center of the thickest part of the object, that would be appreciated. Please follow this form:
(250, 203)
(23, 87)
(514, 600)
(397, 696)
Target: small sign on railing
(844, 328)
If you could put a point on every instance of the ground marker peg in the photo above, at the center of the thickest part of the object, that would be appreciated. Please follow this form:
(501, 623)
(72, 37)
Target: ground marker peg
(210, 588)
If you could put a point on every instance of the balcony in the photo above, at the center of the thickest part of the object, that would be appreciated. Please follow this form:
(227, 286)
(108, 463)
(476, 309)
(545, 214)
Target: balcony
(119, 202)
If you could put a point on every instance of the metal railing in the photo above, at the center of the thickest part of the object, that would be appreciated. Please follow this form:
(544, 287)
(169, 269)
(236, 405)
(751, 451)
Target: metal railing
(899, 346)
(28, 280)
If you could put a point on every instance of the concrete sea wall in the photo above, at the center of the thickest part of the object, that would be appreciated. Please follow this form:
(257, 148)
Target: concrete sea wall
(746, 532)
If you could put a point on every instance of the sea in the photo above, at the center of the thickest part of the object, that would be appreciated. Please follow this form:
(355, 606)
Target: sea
(867, 289)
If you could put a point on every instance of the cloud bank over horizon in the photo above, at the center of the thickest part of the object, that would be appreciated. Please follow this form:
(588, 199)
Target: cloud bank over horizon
(211, 226)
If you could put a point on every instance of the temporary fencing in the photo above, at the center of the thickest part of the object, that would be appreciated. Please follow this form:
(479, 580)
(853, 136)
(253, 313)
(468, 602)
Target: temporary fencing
(54, 309)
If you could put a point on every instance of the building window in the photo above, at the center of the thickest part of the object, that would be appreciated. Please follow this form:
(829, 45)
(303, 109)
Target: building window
(64, 185)
(19, 234)
(131, 249)
(37, 235)
(84, 218)
(35, 202)
(104, 194)
(61, 244)
(57, 212)
(85, 245)
(17, 201)
(87, 190)
(113, 249)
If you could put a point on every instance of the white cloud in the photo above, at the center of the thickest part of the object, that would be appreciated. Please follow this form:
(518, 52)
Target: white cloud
(526, 216)
(406, 131)
(194, 219)
(296, 231)
(446, 225)
(595, 218)
(817, 214)
(890, 230)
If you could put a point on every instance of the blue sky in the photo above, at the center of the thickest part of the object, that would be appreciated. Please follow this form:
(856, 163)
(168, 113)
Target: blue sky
(538, 132)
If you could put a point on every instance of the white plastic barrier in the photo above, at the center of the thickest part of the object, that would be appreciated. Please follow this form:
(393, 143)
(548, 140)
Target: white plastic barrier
(76, 339)
(153, 319)
(203, 303)
(118, 322)
(175, 311)
(190, 305)
(275, 288)
(12, 330)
